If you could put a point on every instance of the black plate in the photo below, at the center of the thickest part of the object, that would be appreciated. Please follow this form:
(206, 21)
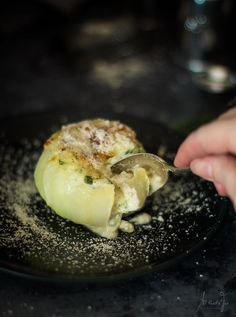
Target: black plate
(35, 242)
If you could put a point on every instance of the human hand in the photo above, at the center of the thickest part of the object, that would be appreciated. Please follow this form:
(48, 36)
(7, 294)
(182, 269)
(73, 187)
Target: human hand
(210, 152)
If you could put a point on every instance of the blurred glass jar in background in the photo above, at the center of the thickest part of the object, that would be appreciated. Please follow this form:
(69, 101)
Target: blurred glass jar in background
(204, 47)
(204, 23)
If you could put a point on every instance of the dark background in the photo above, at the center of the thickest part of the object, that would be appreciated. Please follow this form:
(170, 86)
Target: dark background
(122, 57)
(51, 57)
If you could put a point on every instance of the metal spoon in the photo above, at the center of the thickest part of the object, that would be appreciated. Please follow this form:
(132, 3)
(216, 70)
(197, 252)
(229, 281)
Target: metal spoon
(148, 160)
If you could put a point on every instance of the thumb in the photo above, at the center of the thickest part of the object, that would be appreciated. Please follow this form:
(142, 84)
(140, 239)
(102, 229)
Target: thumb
(220, 169)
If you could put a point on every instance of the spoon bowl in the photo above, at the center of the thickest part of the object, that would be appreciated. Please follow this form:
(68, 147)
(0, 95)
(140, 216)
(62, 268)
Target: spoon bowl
(146, 160)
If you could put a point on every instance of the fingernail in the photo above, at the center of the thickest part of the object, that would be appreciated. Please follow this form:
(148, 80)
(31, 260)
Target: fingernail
(202, 168)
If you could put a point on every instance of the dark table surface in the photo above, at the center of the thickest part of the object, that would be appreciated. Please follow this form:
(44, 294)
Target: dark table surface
(44, 68)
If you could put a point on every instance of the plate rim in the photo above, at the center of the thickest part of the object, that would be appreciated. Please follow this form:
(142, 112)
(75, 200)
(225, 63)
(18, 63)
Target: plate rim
(24, 271)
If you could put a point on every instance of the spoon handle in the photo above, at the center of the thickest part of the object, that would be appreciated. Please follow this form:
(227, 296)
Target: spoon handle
(174, 169)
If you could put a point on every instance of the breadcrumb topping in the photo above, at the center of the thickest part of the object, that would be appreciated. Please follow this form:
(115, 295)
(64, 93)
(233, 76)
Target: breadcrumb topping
(98, 141)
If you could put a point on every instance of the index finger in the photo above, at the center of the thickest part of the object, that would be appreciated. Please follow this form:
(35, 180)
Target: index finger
(217, 137)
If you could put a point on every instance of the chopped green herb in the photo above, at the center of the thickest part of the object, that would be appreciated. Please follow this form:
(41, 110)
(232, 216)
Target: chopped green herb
(61, 162)
(150, 188)
(130, 151)
(136, 149)
(88, 180)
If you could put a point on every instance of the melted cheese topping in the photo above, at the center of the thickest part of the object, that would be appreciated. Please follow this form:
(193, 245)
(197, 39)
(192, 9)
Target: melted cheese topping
(73, 175)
